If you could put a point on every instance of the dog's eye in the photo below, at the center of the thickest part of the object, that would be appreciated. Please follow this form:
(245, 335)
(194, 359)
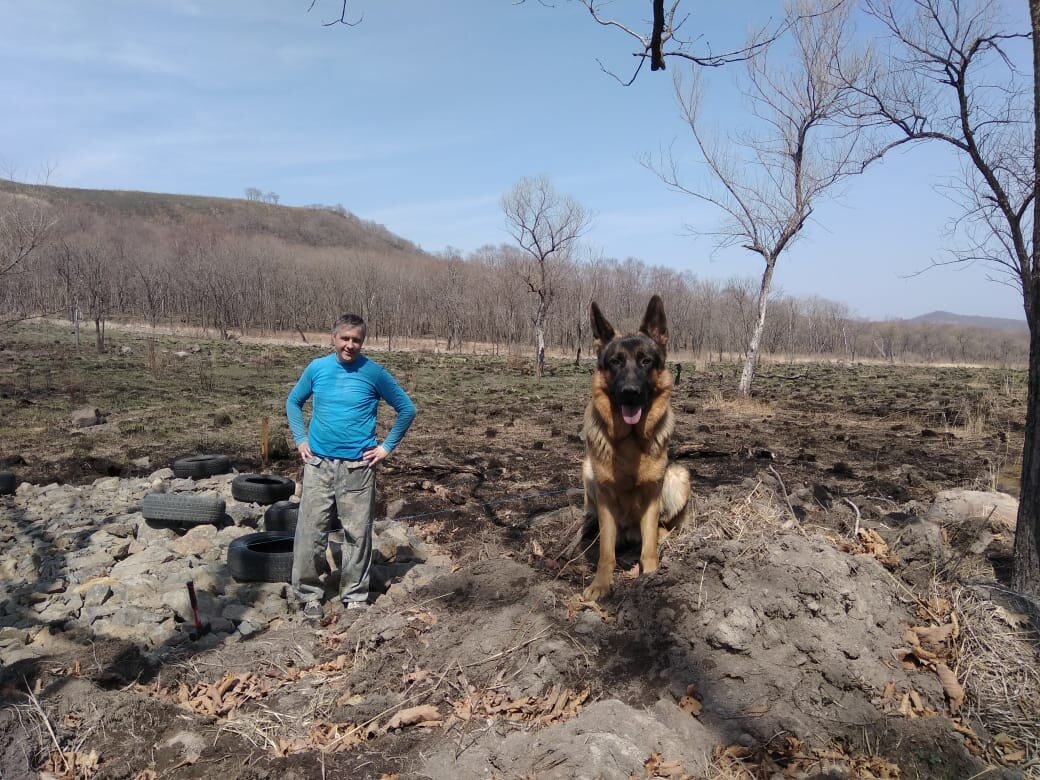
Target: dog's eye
(617, 361)
(646, 361)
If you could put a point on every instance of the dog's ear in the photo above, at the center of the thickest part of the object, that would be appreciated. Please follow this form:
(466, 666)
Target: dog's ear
(655, 325)
(602, 331)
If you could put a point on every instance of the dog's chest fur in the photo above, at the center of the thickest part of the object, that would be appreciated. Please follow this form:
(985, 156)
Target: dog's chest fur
(623, 456)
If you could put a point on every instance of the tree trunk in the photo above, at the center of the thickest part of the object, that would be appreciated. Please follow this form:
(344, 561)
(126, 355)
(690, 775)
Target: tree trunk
(751, 358)
(1026, 576)
(539, 358)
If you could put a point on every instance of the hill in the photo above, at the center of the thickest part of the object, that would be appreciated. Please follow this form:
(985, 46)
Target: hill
(318, 226)
(966, 320)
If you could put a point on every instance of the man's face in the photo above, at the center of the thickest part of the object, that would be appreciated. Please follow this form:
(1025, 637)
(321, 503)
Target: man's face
(347, 343)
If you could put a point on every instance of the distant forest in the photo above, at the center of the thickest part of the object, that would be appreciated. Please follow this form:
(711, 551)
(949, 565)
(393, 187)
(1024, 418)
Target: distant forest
(251, 266)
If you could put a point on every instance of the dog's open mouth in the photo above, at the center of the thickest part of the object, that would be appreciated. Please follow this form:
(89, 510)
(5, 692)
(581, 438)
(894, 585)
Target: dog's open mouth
(631, 414)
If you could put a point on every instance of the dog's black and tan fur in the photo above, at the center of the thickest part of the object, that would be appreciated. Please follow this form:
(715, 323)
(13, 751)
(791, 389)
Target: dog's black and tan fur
(629, 484)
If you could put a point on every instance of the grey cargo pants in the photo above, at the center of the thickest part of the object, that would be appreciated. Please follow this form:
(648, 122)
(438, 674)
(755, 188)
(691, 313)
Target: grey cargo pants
(350, 487)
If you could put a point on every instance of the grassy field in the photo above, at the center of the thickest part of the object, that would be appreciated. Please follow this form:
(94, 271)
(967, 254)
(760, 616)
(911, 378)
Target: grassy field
(168, 396)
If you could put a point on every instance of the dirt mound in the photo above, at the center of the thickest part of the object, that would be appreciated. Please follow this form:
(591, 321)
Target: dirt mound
(789, 650)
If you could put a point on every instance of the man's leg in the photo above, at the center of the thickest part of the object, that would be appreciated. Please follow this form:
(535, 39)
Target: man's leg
(312, 527)
(356, 501)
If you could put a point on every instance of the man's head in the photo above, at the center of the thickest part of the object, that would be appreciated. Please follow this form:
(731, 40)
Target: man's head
(348, 336)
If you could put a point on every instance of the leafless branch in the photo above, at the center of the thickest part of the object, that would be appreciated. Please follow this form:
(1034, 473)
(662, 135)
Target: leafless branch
(342, 16)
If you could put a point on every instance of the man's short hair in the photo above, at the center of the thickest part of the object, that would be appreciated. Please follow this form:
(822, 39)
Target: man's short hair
(349, 321)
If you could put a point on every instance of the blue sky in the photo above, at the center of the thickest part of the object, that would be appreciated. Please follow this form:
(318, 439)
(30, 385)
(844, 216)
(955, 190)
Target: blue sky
(421, 117)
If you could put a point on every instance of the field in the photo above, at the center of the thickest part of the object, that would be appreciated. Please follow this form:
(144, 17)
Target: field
(787, 484)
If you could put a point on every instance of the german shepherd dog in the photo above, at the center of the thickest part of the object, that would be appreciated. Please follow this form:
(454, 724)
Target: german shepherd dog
(629, 484)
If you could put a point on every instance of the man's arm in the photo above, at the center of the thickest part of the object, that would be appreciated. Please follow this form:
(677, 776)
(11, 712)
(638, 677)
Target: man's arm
(393, 394)
(298, 396)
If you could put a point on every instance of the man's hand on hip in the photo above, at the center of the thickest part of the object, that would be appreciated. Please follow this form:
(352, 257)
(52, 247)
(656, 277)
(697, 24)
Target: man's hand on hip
(374, 455)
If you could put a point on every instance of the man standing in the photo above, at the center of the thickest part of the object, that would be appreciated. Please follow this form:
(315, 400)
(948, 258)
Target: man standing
(340, 451)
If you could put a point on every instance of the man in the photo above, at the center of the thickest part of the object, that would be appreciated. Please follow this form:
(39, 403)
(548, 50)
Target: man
(340, 451)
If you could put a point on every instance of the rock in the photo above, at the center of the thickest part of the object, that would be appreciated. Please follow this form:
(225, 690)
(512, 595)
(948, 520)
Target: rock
(142, 563)
(96, 594)
(736, 630)
(11, 635)
(394, 541)
(198, 541)
(608, 739)
(955, 507)
(86, 416)
(83, 559)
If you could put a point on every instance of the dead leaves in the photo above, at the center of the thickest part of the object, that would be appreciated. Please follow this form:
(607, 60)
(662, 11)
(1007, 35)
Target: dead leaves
(224, 697)
(656, 766)
(908, 704)
(791, 757)
(576, 604)
(555, 706)
(930, 647)
(868, 542)
(326, 737)
(1007, 750)
(424, 715)
(953, 689)
(70, 765)
(691, 705)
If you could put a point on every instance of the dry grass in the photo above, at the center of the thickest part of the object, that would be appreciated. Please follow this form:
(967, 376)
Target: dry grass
(998, 666)
(752, 521)
(715, 400)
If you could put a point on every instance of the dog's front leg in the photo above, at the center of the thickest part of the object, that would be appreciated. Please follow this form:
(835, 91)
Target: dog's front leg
(648, 523)
(601, 583)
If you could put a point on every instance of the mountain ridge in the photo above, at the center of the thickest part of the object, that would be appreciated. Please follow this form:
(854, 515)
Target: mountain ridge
(940, 317)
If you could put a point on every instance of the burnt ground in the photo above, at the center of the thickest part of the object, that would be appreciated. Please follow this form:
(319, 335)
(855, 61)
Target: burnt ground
(803, 620)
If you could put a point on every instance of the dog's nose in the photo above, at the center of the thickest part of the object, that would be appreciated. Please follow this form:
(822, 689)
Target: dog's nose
(631, 395)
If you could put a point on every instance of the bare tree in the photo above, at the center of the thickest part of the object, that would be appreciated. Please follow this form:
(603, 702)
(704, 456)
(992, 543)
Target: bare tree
(546, 226)
(950, 78)
(450, 294)
(801, 148)
(25, 225)
(669, 33)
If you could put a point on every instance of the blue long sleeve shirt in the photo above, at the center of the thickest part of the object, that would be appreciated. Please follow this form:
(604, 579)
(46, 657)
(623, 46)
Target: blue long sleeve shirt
(345, 399)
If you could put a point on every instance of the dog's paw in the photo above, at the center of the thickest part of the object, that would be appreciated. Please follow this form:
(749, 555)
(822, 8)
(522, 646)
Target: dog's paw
(596, 591)
(649, 565)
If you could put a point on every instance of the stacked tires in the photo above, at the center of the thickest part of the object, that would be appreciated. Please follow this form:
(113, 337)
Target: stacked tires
(183, 510)
(261, 488)
(265, 556)
(282, 516)
(201, 466)
(178, 509)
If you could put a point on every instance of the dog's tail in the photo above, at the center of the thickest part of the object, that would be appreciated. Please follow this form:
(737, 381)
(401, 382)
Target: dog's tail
(675, 497)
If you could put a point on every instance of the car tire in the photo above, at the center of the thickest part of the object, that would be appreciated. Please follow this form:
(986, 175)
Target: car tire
(182, 510)
(282, 516)
(8, 483)
(265, 556)
(201, 466)
(261, 488)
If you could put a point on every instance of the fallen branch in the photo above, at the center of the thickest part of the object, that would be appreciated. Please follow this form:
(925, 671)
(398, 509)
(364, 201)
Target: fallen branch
(783, 489)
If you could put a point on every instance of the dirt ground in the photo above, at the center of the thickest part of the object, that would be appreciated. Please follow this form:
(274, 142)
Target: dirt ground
(807, 621)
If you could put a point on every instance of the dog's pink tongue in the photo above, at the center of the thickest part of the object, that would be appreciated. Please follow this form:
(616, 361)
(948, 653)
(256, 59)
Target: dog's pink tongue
(631, 414)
